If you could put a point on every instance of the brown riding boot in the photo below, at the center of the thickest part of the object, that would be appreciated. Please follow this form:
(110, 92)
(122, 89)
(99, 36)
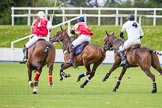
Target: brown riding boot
(123, 59)
(25, 51)
(71, 49)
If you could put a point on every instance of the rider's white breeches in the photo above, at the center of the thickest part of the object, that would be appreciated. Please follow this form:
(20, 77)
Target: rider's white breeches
(128, 43)
(82, 38)
(34, 39)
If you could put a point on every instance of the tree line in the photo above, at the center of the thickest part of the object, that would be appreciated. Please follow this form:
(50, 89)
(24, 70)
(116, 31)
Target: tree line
(5, 5)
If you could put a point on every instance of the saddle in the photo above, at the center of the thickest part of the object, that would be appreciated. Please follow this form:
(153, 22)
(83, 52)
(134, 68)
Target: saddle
(131, 48)
(134, 47)
(80, 48)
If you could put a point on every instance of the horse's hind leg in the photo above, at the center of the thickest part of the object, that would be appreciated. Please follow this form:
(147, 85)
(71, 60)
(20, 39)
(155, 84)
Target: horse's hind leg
(92, 73)
(88, 79)
(36, 79)
(50, 75)
(158, 68)
(82, 75)
(85, 74)
(148, 73)
(156, 63)
(120, 78)
(115, 65)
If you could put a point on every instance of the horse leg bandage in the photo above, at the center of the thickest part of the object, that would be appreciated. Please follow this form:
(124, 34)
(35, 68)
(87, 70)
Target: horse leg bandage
(38, 72)
(50, 77)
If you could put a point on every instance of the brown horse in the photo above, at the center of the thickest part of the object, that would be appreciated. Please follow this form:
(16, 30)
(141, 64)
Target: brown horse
(40, 54)
(137, 56)
(91, 54)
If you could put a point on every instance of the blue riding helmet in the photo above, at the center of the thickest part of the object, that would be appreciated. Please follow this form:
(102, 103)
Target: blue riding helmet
(81, 19)
(131, 17)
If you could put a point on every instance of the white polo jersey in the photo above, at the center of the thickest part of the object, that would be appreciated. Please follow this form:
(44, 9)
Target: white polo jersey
(133, 29)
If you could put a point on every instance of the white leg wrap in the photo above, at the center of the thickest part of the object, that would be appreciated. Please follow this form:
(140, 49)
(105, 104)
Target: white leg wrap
(35, 89)
(30, 82)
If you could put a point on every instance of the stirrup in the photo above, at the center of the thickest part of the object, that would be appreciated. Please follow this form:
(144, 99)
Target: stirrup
(24, 61)
(123, 63)
(70, 62)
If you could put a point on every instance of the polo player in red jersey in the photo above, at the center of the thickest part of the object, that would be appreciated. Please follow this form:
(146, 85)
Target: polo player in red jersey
(85, 36)
(40, 29)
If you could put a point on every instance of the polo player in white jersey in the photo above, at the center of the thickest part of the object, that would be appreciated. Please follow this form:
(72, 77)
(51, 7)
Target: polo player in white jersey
(134, 33)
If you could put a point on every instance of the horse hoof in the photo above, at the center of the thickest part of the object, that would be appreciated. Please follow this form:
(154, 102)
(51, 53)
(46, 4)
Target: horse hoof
(81, 86)
(104, 79)
(114, 90)
(68, 75)
(154, 91)
(50, 84)
(35, 92)
(31, 84)
(61, 78)
(78, 80)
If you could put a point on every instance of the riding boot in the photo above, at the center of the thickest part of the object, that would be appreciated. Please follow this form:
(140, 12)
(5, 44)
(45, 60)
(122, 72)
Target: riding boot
(25, 51)
(71, 50)
(123, 59)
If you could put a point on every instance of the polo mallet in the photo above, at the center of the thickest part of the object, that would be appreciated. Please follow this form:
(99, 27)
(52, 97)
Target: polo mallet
(51, 18)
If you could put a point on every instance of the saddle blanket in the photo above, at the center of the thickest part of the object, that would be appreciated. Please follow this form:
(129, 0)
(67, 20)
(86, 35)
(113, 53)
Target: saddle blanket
(79, 49)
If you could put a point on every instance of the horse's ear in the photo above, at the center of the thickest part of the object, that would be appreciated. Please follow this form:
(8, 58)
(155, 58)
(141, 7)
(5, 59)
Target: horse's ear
(61, 28)
(107, 33)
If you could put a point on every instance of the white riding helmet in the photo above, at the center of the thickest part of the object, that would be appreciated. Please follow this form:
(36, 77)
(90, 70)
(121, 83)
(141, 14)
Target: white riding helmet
(41, 14)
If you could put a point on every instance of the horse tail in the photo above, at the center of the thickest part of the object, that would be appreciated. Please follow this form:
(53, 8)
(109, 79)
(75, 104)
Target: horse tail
(156, 52)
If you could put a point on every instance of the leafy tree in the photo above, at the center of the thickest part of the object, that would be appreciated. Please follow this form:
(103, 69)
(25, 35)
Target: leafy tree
(5, 5)
(5, 9)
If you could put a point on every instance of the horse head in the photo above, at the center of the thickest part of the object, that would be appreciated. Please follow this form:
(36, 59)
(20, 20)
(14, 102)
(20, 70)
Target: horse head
(108, 41)
(60, 36)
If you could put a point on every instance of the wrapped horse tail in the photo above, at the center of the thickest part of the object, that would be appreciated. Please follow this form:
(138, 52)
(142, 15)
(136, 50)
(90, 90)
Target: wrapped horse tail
(156, 52)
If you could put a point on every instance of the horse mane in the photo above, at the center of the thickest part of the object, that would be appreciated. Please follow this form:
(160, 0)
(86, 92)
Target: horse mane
(116, 42)
(68, 37)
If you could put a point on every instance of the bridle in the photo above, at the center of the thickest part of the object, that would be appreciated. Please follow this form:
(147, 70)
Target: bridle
(60, 37)
(107, 47)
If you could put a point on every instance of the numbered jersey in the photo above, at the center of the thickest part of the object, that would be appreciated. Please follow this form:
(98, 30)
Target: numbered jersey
(133, 29)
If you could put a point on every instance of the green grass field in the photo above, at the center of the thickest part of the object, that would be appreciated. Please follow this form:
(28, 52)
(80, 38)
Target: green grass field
(134, 91)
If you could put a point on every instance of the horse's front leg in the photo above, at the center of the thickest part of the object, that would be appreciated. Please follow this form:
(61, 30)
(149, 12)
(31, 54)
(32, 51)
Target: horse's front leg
(119, 79)
(115, 65)
(62, 73)
(30, 77)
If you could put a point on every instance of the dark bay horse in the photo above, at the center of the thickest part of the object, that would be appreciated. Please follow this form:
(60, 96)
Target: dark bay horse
(91, 54)
(136, 57)
(40, 54)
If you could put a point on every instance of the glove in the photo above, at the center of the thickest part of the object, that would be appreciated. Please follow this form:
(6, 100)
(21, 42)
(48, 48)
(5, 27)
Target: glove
(141, 37)
(121, 35)
(72, 32)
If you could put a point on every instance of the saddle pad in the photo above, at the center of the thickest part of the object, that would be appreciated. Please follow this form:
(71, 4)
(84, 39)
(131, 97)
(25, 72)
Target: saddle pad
(79, 49)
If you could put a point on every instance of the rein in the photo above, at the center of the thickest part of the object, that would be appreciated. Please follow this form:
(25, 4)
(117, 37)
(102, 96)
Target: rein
(67, 40)
(60, 44)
